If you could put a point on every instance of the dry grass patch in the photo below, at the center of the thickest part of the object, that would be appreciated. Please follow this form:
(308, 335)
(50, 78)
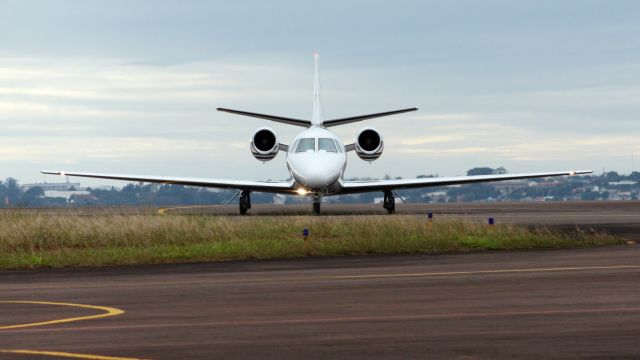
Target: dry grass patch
(35, 240)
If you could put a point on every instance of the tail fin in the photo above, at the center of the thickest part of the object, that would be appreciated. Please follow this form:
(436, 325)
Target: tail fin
(316, 120)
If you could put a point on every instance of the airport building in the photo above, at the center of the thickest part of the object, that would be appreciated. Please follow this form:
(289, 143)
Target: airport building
(66, 186)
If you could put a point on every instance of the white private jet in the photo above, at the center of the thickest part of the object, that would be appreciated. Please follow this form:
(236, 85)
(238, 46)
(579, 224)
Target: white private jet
(316, 159)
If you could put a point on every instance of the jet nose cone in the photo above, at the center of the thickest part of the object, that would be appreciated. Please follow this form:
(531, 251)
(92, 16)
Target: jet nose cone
(315, 176)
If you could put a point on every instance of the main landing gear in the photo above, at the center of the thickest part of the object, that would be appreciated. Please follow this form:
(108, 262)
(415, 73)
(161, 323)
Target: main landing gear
(317, 200)
(389, 201)
(245, 202)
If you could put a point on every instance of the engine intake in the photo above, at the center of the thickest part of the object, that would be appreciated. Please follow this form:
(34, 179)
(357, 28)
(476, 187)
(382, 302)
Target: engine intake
(369, 144)
(264, 144)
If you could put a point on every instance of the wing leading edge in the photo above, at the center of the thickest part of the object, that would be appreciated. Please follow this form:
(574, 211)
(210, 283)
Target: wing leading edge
(283, 187)
(351, 187)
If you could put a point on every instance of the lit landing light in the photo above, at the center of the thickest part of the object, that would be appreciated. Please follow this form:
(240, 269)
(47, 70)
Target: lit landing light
(301, 191)
(62, 173)
(572, 173)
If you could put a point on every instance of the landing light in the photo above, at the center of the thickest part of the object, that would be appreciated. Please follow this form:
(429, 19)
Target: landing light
(301, 191)
(572, 173)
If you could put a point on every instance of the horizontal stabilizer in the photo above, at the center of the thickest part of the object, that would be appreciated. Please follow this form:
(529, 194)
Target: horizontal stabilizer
(342, 121)
(280, 119)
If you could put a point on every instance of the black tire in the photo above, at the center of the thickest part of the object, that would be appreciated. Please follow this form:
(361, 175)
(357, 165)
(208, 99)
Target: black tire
(245, 202)
(391, 208)
(316, 208)
(389, 202)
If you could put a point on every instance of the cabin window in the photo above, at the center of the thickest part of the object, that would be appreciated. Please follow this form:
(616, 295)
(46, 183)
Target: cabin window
(306, 144)
(327, 145)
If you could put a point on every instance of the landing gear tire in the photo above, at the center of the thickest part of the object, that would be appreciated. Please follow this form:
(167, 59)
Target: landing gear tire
(389, 202)
(317, 200)
(245, 202)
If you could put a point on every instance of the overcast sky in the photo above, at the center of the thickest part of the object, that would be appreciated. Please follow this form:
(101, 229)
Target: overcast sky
(132, 86)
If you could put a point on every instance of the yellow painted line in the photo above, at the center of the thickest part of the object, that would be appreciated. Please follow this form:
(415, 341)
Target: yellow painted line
(65, 355)
(108, 311)
(479, 272)
(164, 210)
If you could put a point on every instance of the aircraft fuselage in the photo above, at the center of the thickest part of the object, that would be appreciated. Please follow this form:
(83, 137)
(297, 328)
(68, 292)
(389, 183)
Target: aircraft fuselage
(317, 166)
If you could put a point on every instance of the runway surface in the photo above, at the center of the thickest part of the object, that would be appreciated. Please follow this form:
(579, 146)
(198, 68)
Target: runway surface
(528, 304)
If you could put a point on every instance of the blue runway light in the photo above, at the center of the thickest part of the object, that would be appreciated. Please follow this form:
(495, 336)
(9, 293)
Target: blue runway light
(305, 233)
(491, 221)
(430, 216)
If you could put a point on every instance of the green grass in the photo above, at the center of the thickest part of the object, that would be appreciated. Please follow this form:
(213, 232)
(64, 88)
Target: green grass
(34, 240)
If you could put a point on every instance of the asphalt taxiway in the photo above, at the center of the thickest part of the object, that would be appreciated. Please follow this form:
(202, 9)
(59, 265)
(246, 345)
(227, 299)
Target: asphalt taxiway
(535, 304)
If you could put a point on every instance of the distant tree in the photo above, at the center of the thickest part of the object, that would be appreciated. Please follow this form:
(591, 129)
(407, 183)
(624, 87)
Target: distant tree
(473, 192)
(480, 171)
(12, 191)
(34, 192)
(500, 170)
(589, 195)
(612, 176)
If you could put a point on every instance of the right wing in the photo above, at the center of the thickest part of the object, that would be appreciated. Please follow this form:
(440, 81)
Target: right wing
(280, 119)
(282, 187)
(352, 187)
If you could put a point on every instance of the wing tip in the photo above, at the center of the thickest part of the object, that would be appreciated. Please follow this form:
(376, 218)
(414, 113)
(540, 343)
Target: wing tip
(52, 172)
(580, 172)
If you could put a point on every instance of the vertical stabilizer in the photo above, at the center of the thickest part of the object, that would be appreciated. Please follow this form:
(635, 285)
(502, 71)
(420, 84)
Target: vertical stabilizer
(316, 120)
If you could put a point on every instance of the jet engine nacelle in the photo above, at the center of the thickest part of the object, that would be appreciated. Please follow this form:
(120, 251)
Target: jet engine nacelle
(264, 144)
(369, 144)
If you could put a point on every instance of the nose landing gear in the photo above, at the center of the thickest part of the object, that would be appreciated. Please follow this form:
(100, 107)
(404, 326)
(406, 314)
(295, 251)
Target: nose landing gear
(389, 201)
(245, 202)
(317, 200)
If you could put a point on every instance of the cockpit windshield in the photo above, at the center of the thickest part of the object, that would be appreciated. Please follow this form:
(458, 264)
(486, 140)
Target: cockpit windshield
(326, 145)
(306, 144)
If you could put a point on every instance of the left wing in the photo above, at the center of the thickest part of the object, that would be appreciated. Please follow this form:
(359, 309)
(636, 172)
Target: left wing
(283, 187)
(351, 187)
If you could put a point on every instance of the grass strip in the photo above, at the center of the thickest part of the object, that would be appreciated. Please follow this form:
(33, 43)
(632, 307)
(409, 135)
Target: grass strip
(32, 241)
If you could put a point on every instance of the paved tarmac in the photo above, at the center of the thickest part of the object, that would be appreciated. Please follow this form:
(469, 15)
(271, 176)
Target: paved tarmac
(580, 303)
